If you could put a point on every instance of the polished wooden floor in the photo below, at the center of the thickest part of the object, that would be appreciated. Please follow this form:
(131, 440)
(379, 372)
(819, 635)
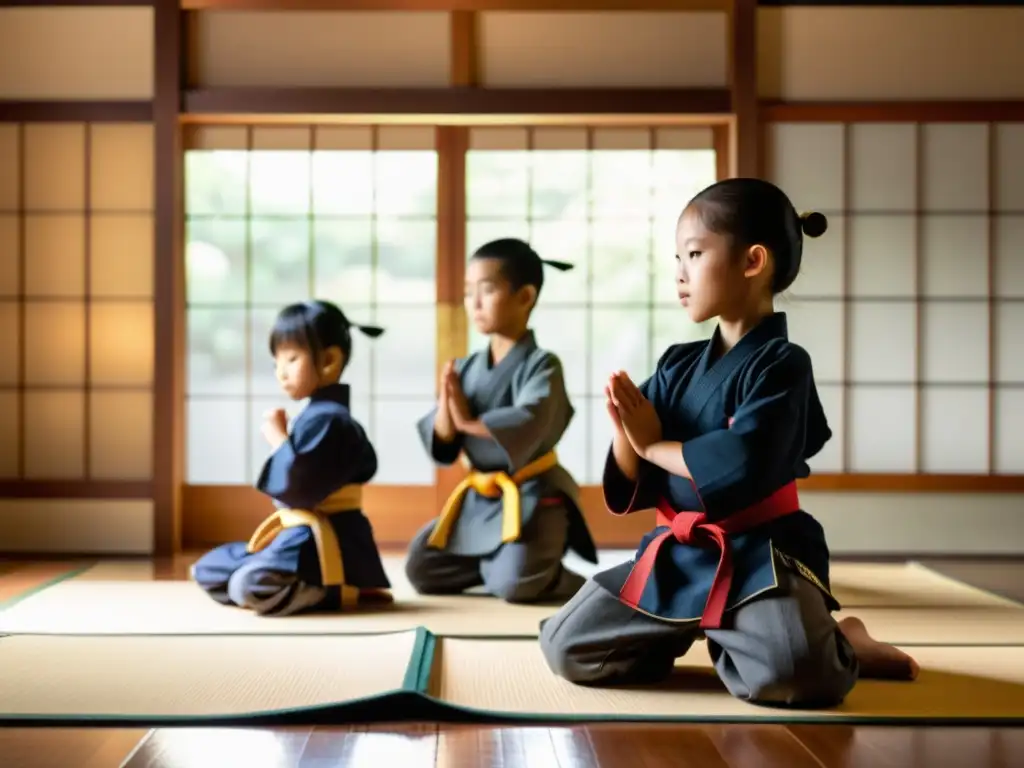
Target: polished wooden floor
(448, 746)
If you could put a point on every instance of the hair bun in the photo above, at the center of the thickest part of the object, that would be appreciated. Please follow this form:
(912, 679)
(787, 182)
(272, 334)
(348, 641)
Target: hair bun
(813, 224)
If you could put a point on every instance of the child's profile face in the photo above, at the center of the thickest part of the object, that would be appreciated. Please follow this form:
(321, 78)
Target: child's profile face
(296, 371)
(709, 277)
(490, 301)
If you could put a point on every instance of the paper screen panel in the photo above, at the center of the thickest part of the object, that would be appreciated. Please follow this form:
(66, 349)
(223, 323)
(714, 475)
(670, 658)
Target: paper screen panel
(10, 167)
(10, 342)
(955, 338)
(55, 255)
(806, 161)
(822, 269)
(830, 459)
(121, 255)
(55, 344)
(883, 339)
(1008, 246)
(54, 161)
(881, 429)
(817, 326)
(121, 167)
(54, 435)
(883, 167)
(120, 435)
(1009, 157)
(954, 252)
(1009, 325)
(10, 417)
(882, 255)
(121, 343)
(955, 172)
(1009, 426)
(954, 430)
(10, 255)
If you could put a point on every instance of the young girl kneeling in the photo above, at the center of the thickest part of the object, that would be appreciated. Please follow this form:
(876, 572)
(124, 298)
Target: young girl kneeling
(317, 551)
(716, 440)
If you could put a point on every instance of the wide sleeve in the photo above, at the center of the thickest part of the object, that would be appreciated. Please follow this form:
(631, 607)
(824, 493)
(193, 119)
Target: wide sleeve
(323, 453)
(623, 496)
(444, 453)
(521, 428)
(735, 467)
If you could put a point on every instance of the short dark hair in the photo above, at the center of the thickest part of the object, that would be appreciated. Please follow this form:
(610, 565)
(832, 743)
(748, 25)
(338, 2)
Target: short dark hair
(756, 212)
(316, 326)
(519, 263)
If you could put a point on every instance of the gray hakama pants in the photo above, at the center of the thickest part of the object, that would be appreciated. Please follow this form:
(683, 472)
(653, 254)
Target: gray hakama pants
(783, 650)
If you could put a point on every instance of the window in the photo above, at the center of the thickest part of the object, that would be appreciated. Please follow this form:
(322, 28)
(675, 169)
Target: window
(909, 302)
(607, 201)
(76, 314)
(277, 215)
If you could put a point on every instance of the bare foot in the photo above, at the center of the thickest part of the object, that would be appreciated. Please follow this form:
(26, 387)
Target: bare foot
(376, 596)
(878, 660)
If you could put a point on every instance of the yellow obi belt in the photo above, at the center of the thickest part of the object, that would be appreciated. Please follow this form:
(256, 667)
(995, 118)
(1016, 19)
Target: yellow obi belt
(328, 550)
(493, 485)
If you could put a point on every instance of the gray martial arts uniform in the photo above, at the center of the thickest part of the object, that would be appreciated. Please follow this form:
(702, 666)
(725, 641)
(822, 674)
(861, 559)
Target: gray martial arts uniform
(524, 405)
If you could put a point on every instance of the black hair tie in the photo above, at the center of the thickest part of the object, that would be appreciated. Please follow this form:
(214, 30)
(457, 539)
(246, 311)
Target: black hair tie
(563, 266)
(372, 331)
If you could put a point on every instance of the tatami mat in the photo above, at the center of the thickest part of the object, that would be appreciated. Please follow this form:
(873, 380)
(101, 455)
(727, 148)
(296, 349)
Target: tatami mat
(102, 678)
(203, 679)
(113, 599)
(510, 678)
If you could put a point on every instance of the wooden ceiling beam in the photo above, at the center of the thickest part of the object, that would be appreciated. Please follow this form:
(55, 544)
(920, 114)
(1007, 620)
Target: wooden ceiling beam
(456, 101)
(455, 5)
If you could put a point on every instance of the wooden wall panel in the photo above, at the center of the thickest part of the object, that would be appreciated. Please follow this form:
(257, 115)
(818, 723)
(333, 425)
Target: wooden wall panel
(76, 53)
(886, 54)
(320, 49)
(639, 49)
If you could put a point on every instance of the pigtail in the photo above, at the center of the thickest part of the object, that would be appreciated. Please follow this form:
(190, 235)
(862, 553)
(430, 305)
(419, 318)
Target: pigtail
(371, 331)
(562, 266)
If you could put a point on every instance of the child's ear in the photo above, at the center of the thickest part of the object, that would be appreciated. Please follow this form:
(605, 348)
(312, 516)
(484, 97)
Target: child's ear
(528, 295)
(755, 261)
(332, 362)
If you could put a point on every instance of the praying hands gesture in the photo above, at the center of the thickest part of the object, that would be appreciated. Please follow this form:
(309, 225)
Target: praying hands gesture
(453, 412)
(631, 413)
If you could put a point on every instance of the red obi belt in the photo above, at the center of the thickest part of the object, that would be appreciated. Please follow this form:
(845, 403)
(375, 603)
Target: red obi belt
(694, 529)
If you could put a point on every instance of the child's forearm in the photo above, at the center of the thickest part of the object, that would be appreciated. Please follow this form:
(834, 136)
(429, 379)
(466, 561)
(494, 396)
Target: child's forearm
(444, 427)
(669, 456)
(625, 457)
(474, 428)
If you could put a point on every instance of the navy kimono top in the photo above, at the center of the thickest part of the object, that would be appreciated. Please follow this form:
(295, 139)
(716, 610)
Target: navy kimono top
(325, 450)
(748, 422)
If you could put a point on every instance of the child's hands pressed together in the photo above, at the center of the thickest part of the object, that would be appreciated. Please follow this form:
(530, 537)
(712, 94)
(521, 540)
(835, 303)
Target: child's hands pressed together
(458, 405)
(632, 413)
(275, 426)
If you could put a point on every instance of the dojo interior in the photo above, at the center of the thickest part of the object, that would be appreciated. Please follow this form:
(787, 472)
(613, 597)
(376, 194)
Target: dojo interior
(172, 173)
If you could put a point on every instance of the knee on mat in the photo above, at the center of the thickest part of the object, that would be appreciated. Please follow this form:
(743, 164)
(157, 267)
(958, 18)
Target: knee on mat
(809, 685)
(256, 588)
(516, 590)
